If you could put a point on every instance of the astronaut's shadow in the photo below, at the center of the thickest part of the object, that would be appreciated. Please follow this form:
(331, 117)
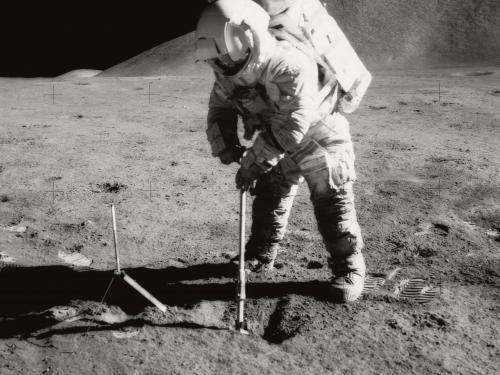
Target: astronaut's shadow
(25, 292)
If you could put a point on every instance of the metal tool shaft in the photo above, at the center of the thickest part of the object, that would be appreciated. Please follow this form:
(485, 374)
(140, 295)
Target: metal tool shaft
(241, 269)
(143, 292)
(134, 284)
(115, 239)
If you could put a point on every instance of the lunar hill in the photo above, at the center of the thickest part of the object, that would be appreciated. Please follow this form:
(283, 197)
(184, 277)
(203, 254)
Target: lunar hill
(386, 34)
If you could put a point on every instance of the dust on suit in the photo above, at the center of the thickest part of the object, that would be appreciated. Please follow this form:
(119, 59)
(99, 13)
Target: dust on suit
(296, 140)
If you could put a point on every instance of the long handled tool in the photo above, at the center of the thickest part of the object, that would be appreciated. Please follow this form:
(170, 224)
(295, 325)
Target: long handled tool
(120, 273)
(240, 319)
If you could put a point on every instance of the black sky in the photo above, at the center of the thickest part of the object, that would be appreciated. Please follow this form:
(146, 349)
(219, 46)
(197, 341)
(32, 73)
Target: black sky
(52, 38)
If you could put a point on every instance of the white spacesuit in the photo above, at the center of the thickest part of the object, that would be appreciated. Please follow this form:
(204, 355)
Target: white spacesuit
(274, 88)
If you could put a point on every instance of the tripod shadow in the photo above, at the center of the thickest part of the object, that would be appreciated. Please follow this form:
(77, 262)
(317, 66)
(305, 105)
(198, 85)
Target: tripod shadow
(26, 292)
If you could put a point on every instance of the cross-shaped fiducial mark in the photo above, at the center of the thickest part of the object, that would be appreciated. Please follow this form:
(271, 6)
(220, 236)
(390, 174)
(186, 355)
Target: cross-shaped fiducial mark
(439, 187)
(53, 94)
(53, 191)
(149, 93)
(150, 190)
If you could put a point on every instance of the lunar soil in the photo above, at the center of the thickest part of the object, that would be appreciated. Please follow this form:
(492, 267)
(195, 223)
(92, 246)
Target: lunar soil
(427, 196)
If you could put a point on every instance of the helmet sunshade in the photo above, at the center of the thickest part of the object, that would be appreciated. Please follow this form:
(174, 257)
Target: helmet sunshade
(226, 32)
(236, 40)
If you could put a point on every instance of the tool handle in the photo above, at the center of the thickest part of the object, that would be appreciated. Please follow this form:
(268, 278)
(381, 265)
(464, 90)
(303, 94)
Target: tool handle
(243, 199)
(241, 271)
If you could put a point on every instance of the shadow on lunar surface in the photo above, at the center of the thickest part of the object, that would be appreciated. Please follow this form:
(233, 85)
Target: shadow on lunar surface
(27, 292)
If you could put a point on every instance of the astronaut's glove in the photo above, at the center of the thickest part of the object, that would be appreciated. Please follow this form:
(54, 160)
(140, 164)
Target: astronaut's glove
(349, 103)
(249, 171)
(246, 178)
(257, 160)
(231, 155)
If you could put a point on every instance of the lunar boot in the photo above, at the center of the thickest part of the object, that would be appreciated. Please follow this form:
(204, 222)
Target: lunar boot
(348, 278)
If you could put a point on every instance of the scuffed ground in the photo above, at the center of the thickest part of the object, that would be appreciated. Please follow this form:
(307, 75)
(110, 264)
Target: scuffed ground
(428, 201)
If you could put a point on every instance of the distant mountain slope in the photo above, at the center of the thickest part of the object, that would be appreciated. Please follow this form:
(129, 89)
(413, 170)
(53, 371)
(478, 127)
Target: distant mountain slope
(386, 33)
(414, 32)
(175, 57)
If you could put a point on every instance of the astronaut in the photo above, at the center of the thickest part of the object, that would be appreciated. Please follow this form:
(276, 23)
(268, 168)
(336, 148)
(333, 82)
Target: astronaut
(297, 134)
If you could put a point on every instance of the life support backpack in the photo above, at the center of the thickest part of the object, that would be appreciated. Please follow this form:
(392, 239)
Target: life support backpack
(307, 25)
